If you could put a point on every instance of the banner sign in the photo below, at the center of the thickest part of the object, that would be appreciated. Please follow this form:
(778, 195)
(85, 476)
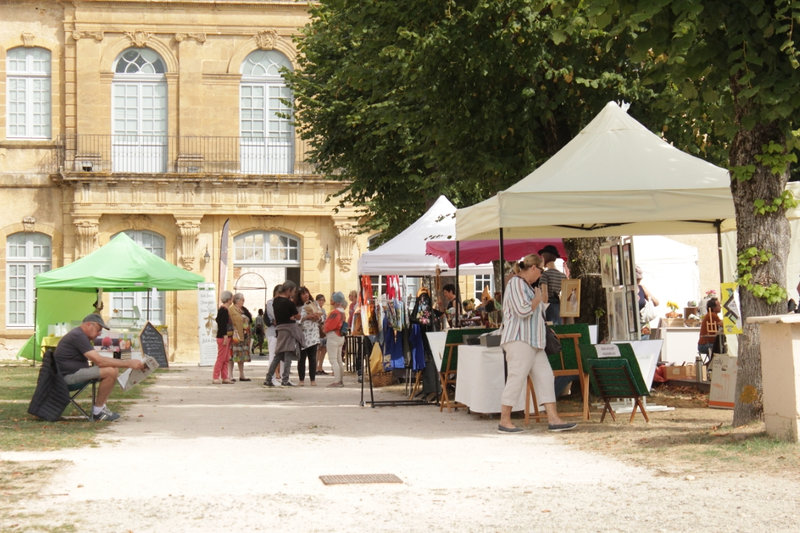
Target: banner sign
(731, 316)
(207, 324)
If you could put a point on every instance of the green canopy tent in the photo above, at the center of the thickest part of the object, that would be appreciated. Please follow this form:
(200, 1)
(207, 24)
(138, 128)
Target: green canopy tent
(66, 294)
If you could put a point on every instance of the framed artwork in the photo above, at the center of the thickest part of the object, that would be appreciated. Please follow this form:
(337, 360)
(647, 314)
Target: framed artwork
(616, 265)
(628, 272)
(570, 298)
(632, 302)
(606, 270)
(619, 327)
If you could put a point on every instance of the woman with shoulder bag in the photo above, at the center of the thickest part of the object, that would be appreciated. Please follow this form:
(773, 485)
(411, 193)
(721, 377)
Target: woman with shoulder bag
(523, 340)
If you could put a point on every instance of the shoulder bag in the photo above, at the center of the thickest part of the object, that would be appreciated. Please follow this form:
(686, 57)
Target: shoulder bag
(552, 342)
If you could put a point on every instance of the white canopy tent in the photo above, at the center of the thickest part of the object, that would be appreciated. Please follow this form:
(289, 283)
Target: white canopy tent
(614, 178)
(792, 262)
(405, 254)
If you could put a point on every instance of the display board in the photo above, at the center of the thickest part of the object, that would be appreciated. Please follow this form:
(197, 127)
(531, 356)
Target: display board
(152, 343)
(618, 276)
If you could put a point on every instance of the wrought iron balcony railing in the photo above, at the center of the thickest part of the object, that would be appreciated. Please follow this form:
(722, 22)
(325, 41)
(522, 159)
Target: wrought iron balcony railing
(152, 154)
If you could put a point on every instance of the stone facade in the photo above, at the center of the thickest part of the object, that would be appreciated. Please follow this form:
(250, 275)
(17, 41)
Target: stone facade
(72, 187)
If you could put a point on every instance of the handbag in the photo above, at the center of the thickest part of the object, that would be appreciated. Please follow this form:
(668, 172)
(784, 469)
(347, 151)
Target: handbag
(648, 312)
(552, 344)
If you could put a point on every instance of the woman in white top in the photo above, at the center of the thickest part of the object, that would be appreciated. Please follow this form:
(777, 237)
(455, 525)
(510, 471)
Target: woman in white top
(523, 340)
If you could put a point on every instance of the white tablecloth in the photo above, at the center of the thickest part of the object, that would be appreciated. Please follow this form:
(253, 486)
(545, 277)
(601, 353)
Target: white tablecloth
(480, 379)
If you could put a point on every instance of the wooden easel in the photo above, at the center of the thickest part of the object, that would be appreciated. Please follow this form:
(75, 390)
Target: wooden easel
(561, 367)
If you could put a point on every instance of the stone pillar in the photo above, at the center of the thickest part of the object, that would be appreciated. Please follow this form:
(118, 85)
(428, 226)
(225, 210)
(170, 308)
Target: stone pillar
(780, 374)
(86, 236)
(188, 230)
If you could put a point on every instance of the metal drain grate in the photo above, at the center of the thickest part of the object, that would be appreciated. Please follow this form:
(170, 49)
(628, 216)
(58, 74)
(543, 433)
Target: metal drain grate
(353, 479)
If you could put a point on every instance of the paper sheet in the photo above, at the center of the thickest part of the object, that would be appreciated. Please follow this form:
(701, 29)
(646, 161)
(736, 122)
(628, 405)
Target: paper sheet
(131, 377)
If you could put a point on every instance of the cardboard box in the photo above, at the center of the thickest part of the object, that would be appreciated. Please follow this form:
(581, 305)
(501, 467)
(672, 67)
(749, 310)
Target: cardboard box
(683, 372)
(723, 381)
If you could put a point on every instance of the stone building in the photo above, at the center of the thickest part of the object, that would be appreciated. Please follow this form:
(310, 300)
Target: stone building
(161, 119)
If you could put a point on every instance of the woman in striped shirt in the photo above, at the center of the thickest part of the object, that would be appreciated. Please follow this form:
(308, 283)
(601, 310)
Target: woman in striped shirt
(523, 341)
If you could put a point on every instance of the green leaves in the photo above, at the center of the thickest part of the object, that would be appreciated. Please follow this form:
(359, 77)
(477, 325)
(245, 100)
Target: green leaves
(407, 102)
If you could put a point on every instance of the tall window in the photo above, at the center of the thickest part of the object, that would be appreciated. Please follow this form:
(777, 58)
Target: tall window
(27, 254)
(139, 115)
(133, 305)
(263, 259)
(267, 135)
(481, 281)
(28, 93)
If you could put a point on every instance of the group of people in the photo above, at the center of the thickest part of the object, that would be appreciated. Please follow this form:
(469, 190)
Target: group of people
(295, 325)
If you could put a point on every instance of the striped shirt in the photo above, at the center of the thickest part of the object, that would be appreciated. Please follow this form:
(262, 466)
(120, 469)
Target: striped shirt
(520, 322)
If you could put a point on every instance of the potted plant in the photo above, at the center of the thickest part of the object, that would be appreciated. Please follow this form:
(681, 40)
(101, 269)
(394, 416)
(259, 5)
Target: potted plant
(673, 310)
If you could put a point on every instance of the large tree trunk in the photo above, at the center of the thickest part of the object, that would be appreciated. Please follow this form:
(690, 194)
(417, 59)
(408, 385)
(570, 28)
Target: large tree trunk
(769, 232)
(583, 260)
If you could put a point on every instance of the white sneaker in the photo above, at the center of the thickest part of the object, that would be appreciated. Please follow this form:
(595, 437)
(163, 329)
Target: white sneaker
(276, 382)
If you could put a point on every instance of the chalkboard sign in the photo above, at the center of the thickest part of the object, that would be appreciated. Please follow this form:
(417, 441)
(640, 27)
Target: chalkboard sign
(153, 344)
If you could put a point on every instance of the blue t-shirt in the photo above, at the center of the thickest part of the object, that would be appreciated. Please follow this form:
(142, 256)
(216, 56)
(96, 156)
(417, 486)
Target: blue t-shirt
(69, 352)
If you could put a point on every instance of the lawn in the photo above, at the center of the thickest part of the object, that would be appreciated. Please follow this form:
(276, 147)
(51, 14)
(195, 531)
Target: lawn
(21, 431)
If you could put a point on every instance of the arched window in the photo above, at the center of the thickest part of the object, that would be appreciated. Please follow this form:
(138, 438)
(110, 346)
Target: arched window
(139, 114)
(27, 254)
(135, 305)
(28, 93)
(263, 247)
(267, 135)
(274, 256)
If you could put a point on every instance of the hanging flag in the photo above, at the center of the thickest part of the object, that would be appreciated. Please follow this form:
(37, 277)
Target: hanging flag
(223, 256)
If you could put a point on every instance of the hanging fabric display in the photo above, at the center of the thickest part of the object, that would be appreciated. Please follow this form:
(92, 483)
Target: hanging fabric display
(417, 348)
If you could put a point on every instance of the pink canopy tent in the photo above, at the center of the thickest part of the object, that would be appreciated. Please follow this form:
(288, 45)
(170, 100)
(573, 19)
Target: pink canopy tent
(489, 250)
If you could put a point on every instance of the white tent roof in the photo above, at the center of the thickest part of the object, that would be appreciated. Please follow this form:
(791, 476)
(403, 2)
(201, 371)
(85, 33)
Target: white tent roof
(405, 253)
(614, 178)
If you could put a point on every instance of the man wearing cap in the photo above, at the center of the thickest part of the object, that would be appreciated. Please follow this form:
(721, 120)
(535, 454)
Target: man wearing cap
(552, 278)
(73, 354)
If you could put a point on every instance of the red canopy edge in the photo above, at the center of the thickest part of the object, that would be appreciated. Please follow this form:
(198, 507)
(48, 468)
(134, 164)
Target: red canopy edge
(484, 251)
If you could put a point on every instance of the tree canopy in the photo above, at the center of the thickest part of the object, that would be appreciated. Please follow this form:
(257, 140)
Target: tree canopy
(407, 101)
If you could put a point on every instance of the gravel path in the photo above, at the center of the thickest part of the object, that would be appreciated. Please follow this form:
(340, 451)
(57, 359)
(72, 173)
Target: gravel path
(192, 456)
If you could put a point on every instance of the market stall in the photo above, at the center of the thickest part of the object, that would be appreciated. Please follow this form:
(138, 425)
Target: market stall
(65, 295)
(614, 178)
(406, 253)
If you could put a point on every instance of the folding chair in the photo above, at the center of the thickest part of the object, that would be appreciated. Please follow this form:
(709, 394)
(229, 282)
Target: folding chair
(53, 395)
(76, 389)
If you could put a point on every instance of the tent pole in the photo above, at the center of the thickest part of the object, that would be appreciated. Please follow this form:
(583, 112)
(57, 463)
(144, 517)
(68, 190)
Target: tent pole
(458, 291)
(718, 225)
(35, 325)
(502, 268)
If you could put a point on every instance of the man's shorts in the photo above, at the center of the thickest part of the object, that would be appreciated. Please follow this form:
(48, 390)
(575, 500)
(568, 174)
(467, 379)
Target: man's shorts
(83, 375)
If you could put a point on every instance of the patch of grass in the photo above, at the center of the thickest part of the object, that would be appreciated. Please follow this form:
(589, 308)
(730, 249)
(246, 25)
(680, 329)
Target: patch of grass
(20, 482)
(690, 439)
(21, 431)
